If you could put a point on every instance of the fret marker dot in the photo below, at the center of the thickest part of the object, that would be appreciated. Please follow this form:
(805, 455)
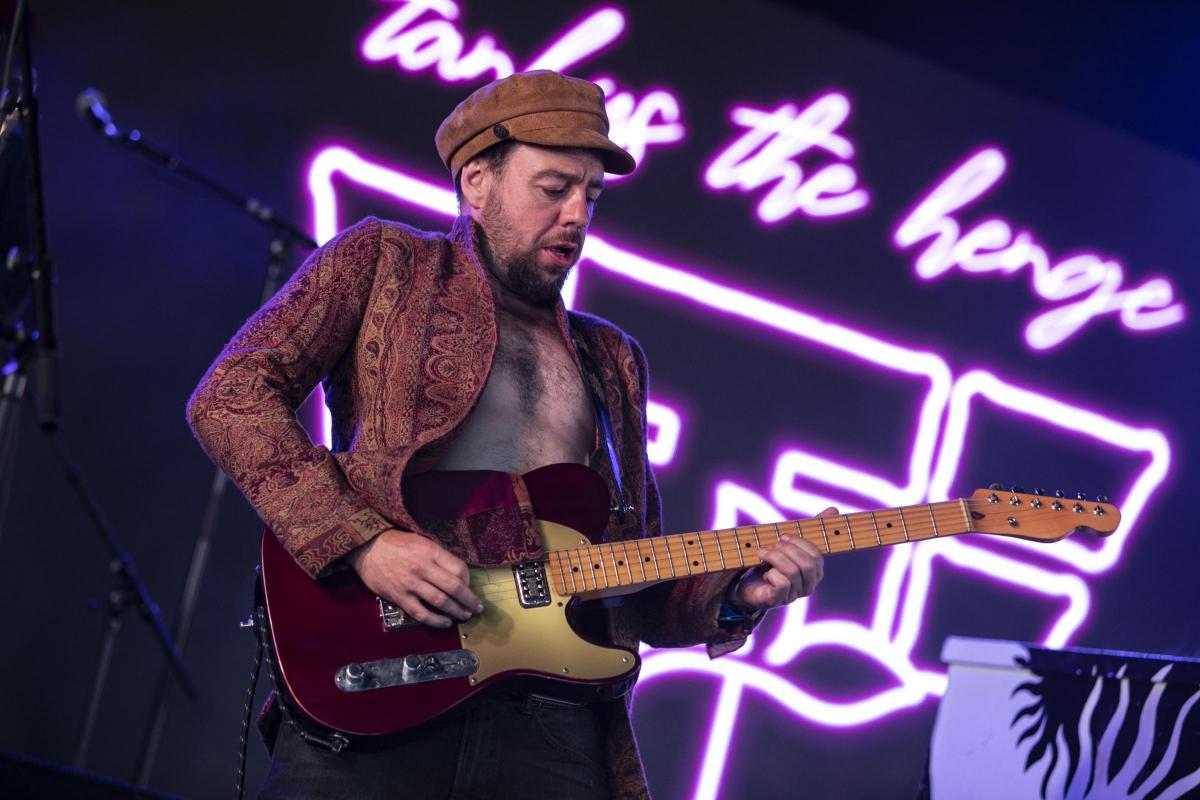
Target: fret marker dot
(889, 525)
(695, 563)
(620, 563)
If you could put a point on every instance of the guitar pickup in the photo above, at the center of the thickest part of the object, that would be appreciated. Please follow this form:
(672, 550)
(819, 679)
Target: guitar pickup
(532, 590)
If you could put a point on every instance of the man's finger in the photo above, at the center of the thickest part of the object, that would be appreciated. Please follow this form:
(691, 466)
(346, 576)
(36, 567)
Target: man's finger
(777, 581)
(452, 564)
(413, 606)
(455, 586)
(436, 598)
(785, 560)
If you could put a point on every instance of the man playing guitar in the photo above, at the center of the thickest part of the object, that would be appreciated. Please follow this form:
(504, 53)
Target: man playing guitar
(452, 370)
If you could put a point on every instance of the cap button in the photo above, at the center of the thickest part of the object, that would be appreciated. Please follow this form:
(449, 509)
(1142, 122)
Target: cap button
(500, 131)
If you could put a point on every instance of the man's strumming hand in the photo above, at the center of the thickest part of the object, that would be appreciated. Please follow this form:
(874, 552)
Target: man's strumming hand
(791, 569)
(419, 575)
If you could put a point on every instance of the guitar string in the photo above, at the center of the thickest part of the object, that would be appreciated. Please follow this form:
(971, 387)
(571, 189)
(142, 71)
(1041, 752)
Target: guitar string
(674, 545)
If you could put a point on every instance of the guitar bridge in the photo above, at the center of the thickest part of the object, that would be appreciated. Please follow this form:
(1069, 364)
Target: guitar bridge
(394, 617)
(532, 590)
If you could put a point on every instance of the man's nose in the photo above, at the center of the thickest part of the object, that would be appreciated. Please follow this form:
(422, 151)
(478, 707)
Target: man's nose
(576, 210)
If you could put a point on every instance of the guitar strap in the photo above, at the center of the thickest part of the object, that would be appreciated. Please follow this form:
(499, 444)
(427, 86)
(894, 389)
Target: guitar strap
(591, 379)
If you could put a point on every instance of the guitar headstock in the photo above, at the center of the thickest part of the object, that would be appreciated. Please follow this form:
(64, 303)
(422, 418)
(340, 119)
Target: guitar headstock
(1040, 517)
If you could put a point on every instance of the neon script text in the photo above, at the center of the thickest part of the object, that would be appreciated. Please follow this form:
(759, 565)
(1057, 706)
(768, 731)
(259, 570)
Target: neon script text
(766, 153)
(993, 246)
(421, 35)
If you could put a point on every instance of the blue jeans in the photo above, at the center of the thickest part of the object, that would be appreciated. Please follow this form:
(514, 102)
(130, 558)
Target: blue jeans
(509, 747)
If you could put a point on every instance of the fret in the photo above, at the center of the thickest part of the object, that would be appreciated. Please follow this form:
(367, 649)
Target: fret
(933, 519)
(779, 535)
(757, 541)
(849, 531)
(875, 524)
(641, 559)
(560, 586)
(628, 565)
(653, 560)
(612, 552)
(596, 557)
(703, 556)
(962, 504)
(670, 558)
(737, 545)
(720, 552)
(563, 573)
(824, 535)
(687, 559)
(578, 569)
(903, 524)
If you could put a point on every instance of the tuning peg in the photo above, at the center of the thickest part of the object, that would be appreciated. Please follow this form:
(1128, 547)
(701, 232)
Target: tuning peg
(1100, 498)
(995, 487)
(1039, 492)
(1081, 495)
(1059, 493)
(1018, 490)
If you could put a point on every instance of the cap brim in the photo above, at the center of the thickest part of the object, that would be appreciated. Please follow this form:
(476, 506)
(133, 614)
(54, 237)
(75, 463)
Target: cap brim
(615, 160)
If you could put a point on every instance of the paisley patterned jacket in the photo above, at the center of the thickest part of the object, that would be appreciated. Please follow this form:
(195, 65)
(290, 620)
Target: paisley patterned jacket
(401, 325)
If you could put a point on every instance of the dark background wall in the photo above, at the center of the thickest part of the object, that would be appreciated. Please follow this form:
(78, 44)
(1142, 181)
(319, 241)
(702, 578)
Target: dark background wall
(1088, 101)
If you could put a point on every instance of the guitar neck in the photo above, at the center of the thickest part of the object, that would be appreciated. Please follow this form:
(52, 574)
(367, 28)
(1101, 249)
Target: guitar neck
(633, 563)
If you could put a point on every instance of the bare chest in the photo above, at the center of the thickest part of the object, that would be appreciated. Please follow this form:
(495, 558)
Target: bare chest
(534, 409)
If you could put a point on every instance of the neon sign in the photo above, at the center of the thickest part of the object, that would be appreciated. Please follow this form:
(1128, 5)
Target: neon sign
(795, 161)
(889, 638)
(421, 35)
(767, 153)
(992, 246)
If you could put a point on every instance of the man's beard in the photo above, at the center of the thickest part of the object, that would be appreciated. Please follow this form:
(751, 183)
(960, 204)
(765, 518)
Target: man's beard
(517, 271)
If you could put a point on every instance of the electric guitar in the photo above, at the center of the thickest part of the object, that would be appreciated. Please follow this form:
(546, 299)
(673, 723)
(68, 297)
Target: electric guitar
(356, 663)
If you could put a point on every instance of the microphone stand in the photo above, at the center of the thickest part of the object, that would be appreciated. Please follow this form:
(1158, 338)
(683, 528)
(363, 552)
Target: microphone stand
(284, 230)
(41, 347)
(285, 235)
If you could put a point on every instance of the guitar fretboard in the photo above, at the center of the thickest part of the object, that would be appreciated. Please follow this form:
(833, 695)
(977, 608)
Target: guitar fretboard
(641, 561)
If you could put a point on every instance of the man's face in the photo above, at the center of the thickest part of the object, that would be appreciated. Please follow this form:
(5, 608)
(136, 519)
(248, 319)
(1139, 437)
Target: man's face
(535, 215)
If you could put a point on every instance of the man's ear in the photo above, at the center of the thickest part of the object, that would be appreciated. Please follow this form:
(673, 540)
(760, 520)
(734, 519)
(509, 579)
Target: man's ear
(475, 182)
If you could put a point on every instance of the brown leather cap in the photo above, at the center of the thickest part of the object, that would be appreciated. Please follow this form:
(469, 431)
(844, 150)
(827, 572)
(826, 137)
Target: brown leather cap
(539, 107)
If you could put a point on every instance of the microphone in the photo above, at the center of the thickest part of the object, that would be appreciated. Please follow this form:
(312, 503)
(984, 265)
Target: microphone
(90, 107)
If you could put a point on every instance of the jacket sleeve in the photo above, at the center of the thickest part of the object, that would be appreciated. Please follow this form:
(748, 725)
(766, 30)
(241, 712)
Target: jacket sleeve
(684, 612)
(244, 411)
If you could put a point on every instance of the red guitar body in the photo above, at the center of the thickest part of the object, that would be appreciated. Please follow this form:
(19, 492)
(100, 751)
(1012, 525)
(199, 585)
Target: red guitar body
(320, 627)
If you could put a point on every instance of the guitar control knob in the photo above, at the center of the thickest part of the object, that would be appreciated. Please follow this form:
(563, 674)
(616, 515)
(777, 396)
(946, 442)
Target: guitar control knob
(413, 666)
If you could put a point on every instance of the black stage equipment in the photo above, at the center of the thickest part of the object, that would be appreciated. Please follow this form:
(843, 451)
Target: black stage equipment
(91, 106)
(32, 359)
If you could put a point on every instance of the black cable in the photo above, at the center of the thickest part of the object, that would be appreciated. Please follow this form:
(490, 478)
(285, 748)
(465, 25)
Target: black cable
(250, 690)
